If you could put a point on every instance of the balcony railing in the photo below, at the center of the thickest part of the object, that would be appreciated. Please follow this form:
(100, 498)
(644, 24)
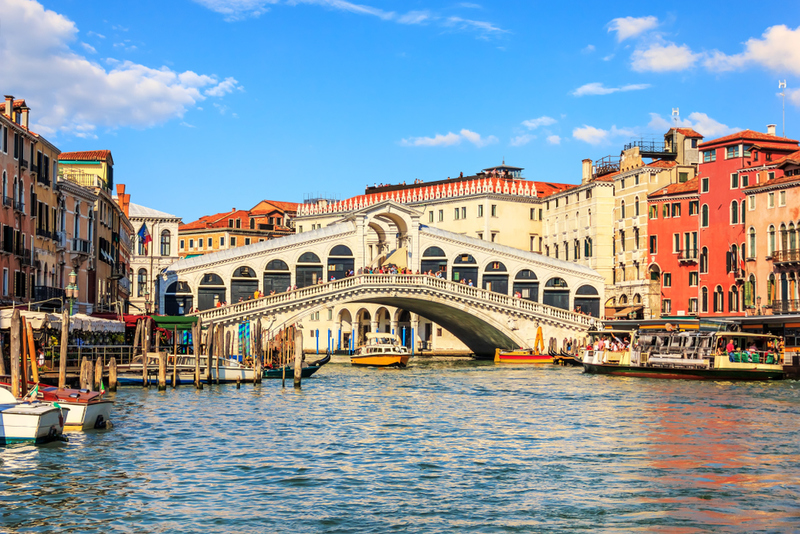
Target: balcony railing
(23, 163)
(786, 256)
(27, 259)
(8, 202)
(80, 245)
(688, 256)
(84, 179)
(44, 233)
(41, 293)
(18, 205)
(34, 168)
(44, 180)
(61, 239)
(785, 306)
(649, 147)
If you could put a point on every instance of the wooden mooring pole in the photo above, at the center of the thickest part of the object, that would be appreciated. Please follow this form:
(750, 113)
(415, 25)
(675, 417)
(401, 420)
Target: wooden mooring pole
(162, 371)
(145, 381)
(98, 373)
(32, 353)
(24, 357)
(62, 354)
(15, 351)
(197, 331)
(210, 347)
(298, 357)
(112, 374)
(175, 357)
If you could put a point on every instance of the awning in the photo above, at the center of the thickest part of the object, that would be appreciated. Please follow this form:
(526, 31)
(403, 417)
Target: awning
(625, 311)
(168, 322)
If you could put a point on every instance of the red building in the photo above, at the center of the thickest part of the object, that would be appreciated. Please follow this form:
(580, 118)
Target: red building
(722, 266)
(672, 240)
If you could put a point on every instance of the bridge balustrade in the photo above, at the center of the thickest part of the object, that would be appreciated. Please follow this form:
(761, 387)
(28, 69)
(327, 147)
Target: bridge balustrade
(384, 281)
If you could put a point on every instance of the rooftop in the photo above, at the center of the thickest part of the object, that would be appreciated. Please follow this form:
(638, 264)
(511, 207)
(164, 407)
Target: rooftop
(750, 135)
(87, 155)
(138, 211)
(689, 186)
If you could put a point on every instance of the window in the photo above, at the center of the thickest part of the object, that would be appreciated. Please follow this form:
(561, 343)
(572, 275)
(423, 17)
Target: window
(676, 210)
(533, 214)
(745, 180)
(771, 200)
(430, 216)
(653, 244)
(222, 240)
(494, 236)
(252, 224)
(719, 300)
(704, 185)
(694, 207)
(622, 240)
(182, 244)
(210, 242)
(666, 306)
(480, 210)
(230, 223)
(165, 243)
(246, 240)
(733, 299)
(667, 279)
(683, 177)
(704, 299)
(5, 280)
(441, 215)
(636, 238)
(731, 152)
(747, 149)
(494, 209)
(622, 184)
(751, 202)
(191, 244)
(480, 236)
(770, 175)
(587, 247)
(588, 194)
(636, 207)
(704, 260)
(735, 181)
(665, 211)
(622, 209)
(141, 286)
(694, 278)
(704, 216)
(782, 198)
(464, 212)
(200, 242)
(751, 242)
(709, 155)
(676, 242)
(770, 240)
(654, 212)
(238, 223)
(233, 241)
(457, 214)
(734, 212)
(693, 305)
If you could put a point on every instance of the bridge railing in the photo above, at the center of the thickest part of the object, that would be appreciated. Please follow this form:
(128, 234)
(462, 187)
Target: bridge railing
(384, 281)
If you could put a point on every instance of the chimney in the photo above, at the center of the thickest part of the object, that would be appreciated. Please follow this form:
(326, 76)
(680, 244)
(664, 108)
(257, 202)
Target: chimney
(586, 171)
(123, 200)
(771, 129)
(9, 106)
(24, 120)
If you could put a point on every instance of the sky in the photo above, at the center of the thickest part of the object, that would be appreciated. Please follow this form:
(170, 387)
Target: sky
(209, 105)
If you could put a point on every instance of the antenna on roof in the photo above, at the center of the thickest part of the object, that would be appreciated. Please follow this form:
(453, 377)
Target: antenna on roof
(782, 85)
(676, 115)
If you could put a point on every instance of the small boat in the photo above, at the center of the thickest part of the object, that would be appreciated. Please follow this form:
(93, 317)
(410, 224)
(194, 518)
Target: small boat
(308, 370)
(521, 356)
(565, 358)
(22, 421)
(694, 354)
(381, 350)
(230, 370)
(87, 409)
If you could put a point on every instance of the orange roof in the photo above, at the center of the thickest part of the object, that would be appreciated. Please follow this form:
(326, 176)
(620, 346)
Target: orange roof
(688, 132)
(266, 206)
(789, 159)
(750, 135)
(87, 155)
(17, 104)
(680, 188)
(606, 177)
(662, 164)
(545, 189)
(218, 220)
(775, 181)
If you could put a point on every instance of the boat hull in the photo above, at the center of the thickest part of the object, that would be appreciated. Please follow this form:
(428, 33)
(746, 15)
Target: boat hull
(684, 374)
(133, 377)
(380, 360)
(86, 416)
(35, 423)
(278, 373)
(522, 358)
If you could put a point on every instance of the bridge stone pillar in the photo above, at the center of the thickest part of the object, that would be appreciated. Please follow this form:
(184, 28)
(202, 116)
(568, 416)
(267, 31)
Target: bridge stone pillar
(360, 251)
(373, 325)
(414, 331)
(393, 324)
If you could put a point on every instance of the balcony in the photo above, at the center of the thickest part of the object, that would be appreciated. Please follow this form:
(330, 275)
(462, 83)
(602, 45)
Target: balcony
(84, 179)
(41, 293)
(34, 168)
(18, 205)
(81, 246)
(786, 256)
(61, 240)
(23, 163)
(44, 233)
(8, 202)
(653, 148)
(26, 257)
(687, 256)
(785, 306)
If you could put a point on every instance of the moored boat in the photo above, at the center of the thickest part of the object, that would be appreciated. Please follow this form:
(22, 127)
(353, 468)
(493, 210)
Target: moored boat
(230, 370)
(521, 356)
(83, 409)
(567, 359)
(694, 355)
(381, 350)
(307, 370)
(29, 422)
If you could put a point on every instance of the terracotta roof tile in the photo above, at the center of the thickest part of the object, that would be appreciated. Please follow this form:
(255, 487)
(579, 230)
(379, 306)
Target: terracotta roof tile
(17, 104)
(662, 164)
(86, 155)
(749, 135)
(688, 132)
(775, 181)
(680, 188)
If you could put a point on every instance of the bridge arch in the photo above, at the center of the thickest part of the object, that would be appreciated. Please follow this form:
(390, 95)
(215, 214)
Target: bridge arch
(340, 262)
(308, 270)
(587, 300)
(526, 285)
(434, 260)
(243, 284)
(465, 267)
(276, 277)
(495, 277)
(211, 291)
(556, 293)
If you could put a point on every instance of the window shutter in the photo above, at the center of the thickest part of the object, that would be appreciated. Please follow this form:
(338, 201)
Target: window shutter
(728, 260)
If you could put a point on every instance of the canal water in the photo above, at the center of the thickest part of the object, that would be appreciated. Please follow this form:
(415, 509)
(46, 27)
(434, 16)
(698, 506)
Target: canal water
(438, 447)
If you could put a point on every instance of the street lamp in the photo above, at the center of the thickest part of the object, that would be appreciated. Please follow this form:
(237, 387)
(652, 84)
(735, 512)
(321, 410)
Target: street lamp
(147, 300)
(71, 290)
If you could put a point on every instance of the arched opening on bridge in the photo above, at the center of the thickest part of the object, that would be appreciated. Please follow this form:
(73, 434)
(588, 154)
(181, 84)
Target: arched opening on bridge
(277, 277)
(495, 278)
(309, 270)
(465, 268)
(623, 300)
(211, 291)
(434, 260)
(383, 320)
(556, 293)
(340, 262)
(526, 285)
(376, 241)
(178, 299)
(345, 327)
(403, 318)
(363, 322)
(587, 300)
(243, 284)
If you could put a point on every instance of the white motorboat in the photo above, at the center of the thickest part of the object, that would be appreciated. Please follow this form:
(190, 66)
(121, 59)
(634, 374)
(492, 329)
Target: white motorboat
(381, 350)
(33, 422)
(230, 370)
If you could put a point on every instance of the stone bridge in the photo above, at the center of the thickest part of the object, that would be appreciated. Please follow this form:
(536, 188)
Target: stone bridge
(487, 295)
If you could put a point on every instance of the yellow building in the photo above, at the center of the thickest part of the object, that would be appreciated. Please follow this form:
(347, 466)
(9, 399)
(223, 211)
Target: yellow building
(44, 203)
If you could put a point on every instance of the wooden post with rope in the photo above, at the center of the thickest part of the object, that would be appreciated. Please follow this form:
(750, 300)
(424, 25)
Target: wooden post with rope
(24, 356)
(62, 354)
(15, 352)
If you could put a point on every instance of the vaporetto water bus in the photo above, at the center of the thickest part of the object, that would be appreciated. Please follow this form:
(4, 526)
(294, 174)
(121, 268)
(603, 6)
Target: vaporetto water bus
(692, 354)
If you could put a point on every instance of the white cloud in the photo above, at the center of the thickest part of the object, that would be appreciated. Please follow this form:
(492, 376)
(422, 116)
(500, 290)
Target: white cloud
(598, 136)
(485, 28)
(450, 139)
(794, 96)
(778, 50)
(89, 48)
(95, 34)
(588, 49)
(224, 87)
(532, 124)
(414, 17)
(663, 58)
(608, 57)
(597, 88)
(627, 27)
(36, 56)
(522, 140)
(238, 9)
(554, 139)
(699, 122)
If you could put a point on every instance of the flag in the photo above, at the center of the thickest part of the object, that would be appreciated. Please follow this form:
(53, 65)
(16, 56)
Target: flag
(33, 393)
(102, 388)
(144, 237)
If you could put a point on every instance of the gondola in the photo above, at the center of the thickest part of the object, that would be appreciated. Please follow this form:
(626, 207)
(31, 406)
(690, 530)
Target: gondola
(307, 371)
(565, 358)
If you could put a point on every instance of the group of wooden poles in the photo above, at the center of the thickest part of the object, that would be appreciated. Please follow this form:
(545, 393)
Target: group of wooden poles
(279, 351)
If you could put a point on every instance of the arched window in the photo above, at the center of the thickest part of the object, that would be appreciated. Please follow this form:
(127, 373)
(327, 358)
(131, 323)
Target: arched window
(76, 221)
(252, 224)
(636, 207)
(784, 237)
(622, 209)
(16, 189)
(704, 300)
(704, 260)
(733, 299)
(704, 216)
(771, 240)
(165, 243)
(5, 186)
(587, 247)
(751, 242)
(141, 283)
(719, 300)
(734, 212)
(792, 237)
(750, 291)
(770, 288)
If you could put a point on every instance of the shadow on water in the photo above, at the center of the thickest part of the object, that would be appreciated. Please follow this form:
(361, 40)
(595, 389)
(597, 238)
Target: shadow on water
(441, 446)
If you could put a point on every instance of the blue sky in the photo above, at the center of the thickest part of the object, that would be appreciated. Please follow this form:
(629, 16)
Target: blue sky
(212, 104)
